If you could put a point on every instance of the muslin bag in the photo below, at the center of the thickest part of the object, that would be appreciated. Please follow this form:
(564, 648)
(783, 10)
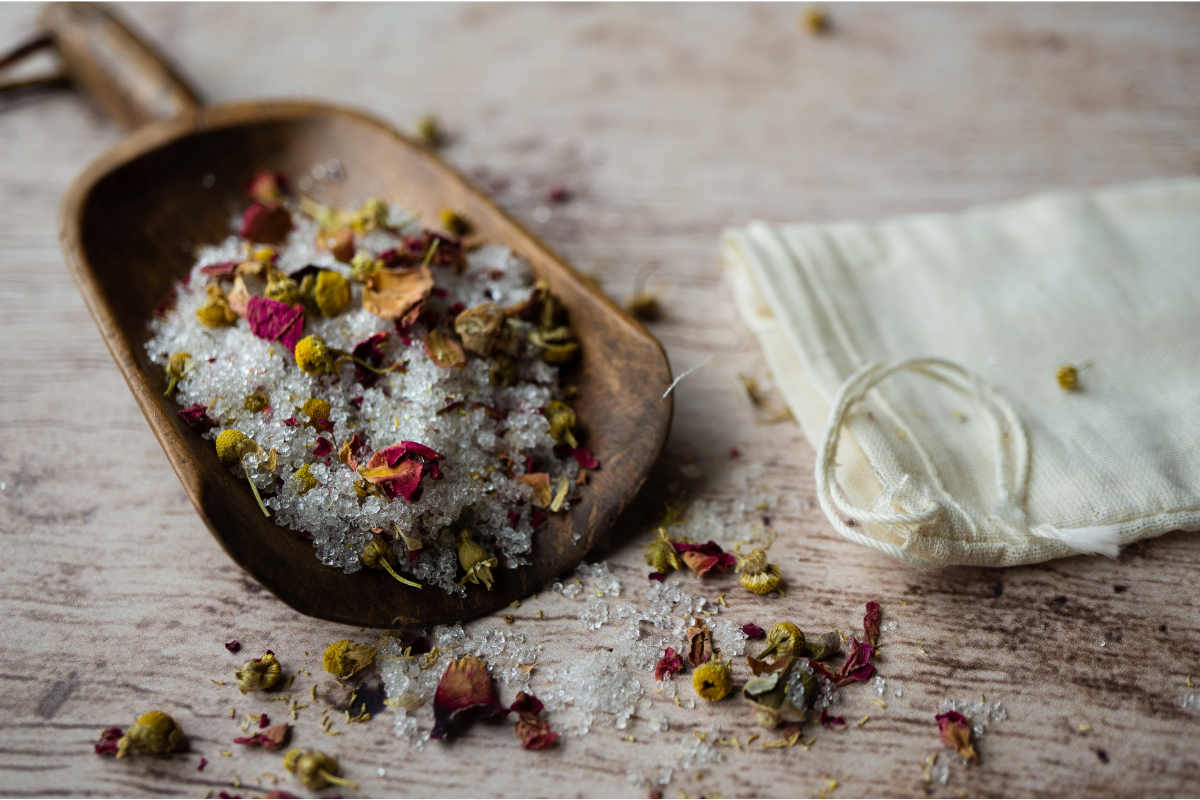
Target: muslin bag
(920, 354)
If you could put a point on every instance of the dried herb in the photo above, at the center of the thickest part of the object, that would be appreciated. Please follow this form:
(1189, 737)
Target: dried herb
(398, 469)
(757, 575)
(871, 624)
(454, 223)
(752, 631)
(266, 223)
(668, 665)
(823, 646)
(154, 733)
(107, 746)
(660, 553)
(316, 409)
(713, 680)
(276, 321)
(535, 734)
(397, 295)
(267, 186)
(504, 373)
(465, 693)
(343, 659)
(271, 738)
(178, 366)
(562, 419)
(315, 769)
(1067, 377)
(259, 673)
(956, 732)
(816, 19)
(784, 640)
(233, 646)
(700, 643)
(540, 481)
(779, 692)
(644, 305)
(215, 313)
(475, 560)
(428, 131)
(444, 350)
(480, 327)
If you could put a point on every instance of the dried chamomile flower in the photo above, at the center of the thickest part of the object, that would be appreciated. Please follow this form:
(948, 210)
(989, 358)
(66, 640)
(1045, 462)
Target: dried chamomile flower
(304, 480)
(784, 640)
(332, 293)
(363, 264)
(428, 130)
(713, 680)
(256, 401)
(155, 733)
(215, 313)
(314, 357)
(343, 659)
(371, 215)
(660, 554)
(454, 223)
(233, 445)
(178, 366)
(816, 19)
(282, 288)
(475, 560)
(1067, 377)
(479, 327)
(757, 575)
(562, 419)
(644, 305)
(315, 409)
(315, 769)
(377, 554)
(558, 345)
(503, 373)
(258, 673)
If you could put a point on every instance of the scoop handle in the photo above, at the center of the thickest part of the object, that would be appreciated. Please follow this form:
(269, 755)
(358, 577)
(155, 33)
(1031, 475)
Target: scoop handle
(126, 77)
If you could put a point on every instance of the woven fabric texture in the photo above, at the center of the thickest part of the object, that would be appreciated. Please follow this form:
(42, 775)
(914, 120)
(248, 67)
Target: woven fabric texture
(920, 356)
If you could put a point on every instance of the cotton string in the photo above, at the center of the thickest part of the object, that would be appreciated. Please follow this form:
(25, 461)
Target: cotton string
(709, 358)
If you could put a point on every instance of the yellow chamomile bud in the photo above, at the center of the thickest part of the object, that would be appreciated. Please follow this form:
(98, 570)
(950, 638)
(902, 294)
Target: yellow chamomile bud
(784, 640)
(660, 554)
(476, 561)
(313, 356)
(315, 409)
(712, 680)
(155, 733)
(305, 482)
(757, 575)
(282, 288)
(178, 366)
(562, 419)
(332, 293)
(377, 554)
(345, 658)
(232, 444)
(315, 769)
(258, 673)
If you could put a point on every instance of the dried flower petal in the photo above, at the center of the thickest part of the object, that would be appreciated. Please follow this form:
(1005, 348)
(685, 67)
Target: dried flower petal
(444, 350)
(351, 450)
(155, 733)
(107, 745)
(267, 186)
(752, 631)
(315, 769)
(540, 481)
(266, 223)
(713, 680)
(584, 458)
(711, 550)
(700, 643)
(233, 646)
(276, 321)
(534, 733)
(323, 447)
(657, 576)
(464, 693)
(871, 624)
(956, 732)
(477, 562)
(830, 721)
(259, 673)
(215, 313)
(668, 665)
(343, 659)
(479, 328)
(178, 366)
(338, 241)
(224, 269)
(398, 469)
(660, 553)
(856, 666)
(197, 417)
(397, 295)
(270, 738)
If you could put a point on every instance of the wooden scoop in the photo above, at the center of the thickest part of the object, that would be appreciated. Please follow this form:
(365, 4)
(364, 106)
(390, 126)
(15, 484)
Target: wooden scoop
(130, 222)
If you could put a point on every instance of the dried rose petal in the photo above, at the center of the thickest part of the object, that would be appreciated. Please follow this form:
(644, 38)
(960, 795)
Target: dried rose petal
(700, 643)
(271, 739)
(956, 732)
(534, 733)
(871, 623)
(267, 186)
(398, 469)
(752, 631)
(698, 562)
(540, 481)
(221, 270)
(197, 416)
(444, 350)
(584, 458)
(668, 665)
(279, 794)
(856, 666)
(266, 223)
(233, 646)
(723, 560)
(657, 576)
(275, 321)
(264, 721)
(464, 693)
(526, 704)
(830, 721)
(397, 295)
(203, 763)
(323, 448)
(368, 350)
(107, 746)
(351, 451)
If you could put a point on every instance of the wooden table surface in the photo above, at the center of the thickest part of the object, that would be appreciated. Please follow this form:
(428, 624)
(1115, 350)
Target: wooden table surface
(666, 123)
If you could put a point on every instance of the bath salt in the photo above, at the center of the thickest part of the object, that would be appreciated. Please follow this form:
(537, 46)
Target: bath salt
(393, 386)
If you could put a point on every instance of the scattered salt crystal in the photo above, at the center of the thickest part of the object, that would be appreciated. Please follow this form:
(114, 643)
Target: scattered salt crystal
(1188, 702)
(594, 615)
(888, 626)
(879, 684)
(941, 771)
